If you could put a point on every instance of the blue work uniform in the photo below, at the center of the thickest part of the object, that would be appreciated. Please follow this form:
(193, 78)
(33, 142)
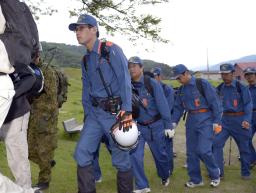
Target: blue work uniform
(237, 107)
(252, 89)
(169, 94)
(153, 119)
(98, 122)
(203, 111)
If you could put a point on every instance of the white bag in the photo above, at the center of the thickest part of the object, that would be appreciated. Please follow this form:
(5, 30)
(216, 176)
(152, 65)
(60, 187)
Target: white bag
(7, 186)
(6, 94)
(5, 65)
(2, 21)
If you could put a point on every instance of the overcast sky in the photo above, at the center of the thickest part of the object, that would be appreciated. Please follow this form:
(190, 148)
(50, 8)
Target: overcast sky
(227, 28)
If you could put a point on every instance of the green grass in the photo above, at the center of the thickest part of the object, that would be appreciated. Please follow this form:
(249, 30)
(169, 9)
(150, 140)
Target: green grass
(64, 173)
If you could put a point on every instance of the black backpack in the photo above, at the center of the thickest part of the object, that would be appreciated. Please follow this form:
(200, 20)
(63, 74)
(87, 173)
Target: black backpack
(21, 35)
(199, 86)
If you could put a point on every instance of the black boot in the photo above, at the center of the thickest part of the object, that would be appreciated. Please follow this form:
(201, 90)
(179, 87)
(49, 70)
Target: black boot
(124, 181)
(85, 179)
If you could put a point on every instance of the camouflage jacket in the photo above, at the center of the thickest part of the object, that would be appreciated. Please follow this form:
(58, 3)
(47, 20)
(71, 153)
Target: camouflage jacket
(44, 108)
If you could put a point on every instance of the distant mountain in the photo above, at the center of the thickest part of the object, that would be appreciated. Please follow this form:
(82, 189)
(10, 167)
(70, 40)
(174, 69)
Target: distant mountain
(70, 56)
(250, 58)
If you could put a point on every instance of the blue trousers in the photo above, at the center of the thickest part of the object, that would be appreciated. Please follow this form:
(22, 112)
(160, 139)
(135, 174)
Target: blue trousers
(252, 149)
(155, 138)
(97, 124)
(199, 141)
(231, 126)
(96, 165)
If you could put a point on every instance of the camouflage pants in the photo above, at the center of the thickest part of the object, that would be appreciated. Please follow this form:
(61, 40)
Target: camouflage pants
(41, 148)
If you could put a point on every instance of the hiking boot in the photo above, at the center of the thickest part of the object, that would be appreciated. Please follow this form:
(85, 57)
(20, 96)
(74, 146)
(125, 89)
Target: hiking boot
(144, 190)
(246, 177)
(165, 182)
(41, 185)
(215, 183)
(193, 185)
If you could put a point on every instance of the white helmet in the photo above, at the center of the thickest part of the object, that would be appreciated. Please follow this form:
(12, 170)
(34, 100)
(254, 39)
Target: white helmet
(127, 140)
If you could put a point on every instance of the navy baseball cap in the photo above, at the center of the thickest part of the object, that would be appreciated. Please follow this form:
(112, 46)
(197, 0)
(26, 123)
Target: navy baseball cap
(250, 70)
(84, 19)
(135, 60)
(178, 70)
(157, 71)
(227, 68)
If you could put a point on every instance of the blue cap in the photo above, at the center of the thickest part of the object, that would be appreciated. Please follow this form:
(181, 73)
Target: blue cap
(178, 70)
(135, 60)
(83, 19)
(249, 70)
(157, 71)
(227, 68)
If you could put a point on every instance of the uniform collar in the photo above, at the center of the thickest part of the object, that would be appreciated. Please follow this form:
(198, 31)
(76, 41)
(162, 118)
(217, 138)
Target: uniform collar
(139, 83)
(233, 83)
(96, 47)
(192, 81)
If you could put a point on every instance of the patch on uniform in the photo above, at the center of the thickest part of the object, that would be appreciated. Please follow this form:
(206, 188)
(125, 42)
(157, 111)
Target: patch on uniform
(145, 102)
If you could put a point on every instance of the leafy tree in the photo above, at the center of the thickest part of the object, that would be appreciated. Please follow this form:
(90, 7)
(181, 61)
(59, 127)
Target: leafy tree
(37, 8)
(117, 16)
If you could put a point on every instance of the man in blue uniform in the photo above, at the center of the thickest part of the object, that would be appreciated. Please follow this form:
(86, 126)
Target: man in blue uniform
(169, 94)
(106, 97)
(250, 76)
(203, 119)
(237, 112)
(154, 123)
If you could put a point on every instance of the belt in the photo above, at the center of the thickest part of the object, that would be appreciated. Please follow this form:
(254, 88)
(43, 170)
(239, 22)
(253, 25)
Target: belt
(233, 113)
(146, 123)
(198, 111)
(1, 73)
(108, 104)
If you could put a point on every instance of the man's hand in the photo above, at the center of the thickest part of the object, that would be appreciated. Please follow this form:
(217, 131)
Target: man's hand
(246, 124)
(217, 128)
(125, 119)
(169, 133)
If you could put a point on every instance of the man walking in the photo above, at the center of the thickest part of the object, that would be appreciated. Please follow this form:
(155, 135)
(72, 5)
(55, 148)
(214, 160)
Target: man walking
(199, 99)
(237, 111)
(154, 123)
(250, 76)
(106, 97)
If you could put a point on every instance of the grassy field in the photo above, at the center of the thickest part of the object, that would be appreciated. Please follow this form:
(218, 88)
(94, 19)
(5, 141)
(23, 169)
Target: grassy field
(64, 173)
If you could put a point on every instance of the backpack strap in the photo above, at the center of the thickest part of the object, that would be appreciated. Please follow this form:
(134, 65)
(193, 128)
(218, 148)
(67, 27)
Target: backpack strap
(148, 85)
(104, 53)
(199, 86)
(238, 86)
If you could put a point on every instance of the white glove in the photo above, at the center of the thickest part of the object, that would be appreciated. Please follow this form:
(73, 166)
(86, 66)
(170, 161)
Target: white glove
(169, 133)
